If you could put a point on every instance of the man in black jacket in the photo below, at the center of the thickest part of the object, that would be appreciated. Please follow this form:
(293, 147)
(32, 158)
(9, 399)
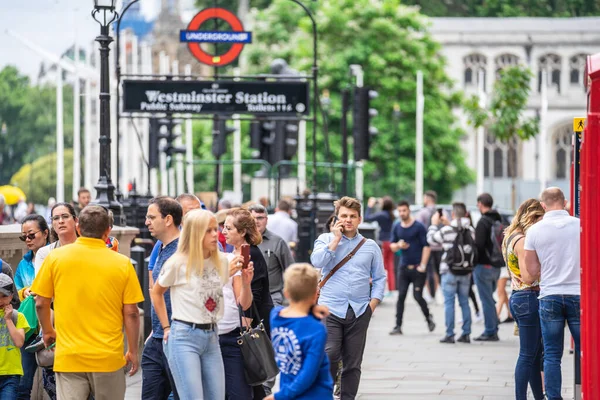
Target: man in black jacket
(485, 275)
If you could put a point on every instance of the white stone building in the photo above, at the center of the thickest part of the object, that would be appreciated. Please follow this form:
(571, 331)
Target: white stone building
(559, 46)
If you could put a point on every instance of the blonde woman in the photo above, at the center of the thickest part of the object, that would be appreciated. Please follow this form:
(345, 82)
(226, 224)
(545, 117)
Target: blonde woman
(196, 274)
(524, 301)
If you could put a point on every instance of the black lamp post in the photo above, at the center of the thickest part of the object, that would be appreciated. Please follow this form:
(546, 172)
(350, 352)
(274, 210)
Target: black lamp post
(104, 13)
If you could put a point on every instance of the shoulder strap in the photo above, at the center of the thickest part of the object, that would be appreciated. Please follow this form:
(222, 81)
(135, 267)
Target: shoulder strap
(341, 263)
(511, 239)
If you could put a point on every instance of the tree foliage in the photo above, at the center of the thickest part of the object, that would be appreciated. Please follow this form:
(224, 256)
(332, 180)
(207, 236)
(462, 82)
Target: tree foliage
(504, 118)
(38, 178)
(28, 114)
(507, 8)
(391, 42)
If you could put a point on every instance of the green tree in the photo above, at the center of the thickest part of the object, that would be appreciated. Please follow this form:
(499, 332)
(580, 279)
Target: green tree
(38, 178)
(504, 117)
(507, 8)
(28, 121)
(391, 42)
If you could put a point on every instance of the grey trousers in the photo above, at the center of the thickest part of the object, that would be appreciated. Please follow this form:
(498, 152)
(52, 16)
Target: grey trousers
(346, 339)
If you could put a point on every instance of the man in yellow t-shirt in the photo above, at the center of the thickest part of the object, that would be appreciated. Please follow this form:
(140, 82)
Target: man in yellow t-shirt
(95, 293)
(13, 326)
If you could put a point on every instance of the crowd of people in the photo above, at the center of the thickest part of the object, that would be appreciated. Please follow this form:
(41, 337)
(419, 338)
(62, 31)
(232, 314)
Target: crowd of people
(215, 276)
(538, 252)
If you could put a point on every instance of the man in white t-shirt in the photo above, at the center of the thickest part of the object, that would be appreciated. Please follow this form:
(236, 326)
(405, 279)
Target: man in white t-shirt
(552, 255)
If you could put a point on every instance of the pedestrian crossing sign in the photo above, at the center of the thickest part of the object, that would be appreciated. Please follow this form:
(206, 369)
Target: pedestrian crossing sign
(578, 124)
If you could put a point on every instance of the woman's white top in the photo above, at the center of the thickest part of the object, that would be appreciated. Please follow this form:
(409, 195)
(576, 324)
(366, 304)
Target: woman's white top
(200, 299)
(231, 316)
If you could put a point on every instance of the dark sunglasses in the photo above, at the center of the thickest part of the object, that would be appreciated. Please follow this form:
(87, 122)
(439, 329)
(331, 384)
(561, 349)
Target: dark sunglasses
(29, 236)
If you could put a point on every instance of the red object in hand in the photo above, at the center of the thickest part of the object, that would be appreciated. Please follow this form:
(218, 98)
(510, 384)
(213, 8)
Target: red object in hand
(246, 254)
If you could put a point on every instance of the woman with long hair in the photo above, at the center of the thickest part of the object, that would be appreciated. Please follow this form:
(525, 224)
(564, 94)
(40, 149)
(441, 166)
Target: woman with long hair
(64, 229)
(36, 234)
(196, 274)
(385, 218)
(240, 229)
(523, 302)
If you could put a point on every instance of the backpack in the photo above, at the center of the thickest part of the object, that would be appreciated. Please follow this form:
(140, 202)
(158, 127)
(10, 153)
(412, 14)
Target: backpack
(463, 253)
(496, 236)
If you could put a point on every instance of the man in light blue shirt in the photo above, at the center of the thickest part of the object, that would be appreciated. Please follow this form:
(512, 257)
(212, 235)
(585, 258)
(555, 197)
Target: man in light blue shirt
(348, 293)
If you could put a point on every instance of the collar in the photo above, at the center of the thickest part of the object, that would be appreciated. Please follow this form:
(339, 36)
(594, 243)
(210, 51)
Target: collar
(28, 256)
(173, 242)
(92, 242)
(357, 236)
(283, 213)
(267, 234)
(556, 213)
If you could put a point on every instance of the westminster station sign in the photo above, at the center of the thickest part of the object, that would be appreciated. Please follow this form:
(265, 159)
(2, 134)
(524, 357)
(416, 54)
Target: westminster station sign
(216, 97)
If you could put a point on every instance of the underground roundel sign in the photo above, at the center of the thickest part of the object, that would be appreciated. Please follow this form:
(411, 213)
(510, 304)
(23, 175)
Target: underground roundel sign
(194, 37)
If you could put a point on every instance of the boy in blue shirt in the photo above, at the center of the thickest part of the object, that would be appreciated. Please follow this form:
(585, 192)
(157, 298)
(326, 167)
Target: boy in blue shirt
(299, 339)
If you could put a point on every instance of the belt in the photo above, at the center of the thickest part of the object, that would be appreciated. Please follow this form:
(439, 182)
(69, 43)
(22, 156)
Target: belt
(530, 288)
(411, 266)
(205, 327)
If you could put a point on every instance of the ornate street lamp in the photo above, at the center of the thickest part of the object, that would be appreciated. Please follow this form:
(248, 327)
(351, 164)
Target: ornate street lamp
(104, 13)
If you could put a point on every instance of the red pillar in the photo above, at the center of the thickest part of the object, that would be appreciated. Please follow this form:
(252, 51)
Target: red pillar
(590, 237)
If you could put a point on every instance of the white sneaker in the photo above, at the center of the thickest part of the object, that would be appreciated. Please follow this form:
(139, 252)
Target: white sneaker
(478, 317)
(427, 297)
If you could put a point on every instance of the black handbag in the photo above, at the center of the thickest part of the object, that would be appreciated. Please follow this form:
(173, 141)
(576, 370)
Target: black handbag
(257, 352)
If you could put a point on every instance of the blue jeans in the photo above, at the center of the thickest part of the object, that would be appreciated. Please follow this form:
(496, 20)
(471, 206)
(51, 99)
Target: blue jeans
(29, 368)
(157, 381)
(453, 285)
(524, 307)
(235, 377)
(195, 361)
(554, 311)
(9, 385)
(486, 280)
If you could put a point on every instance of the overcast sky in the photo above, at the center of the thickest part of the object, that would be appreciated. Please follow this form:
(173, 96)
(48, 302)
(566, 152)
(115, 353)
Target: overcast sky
(52, 25)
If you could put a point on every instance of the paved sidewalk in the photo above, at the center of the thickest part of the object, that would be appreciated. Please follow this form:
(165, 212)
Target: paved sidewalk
(416, 366)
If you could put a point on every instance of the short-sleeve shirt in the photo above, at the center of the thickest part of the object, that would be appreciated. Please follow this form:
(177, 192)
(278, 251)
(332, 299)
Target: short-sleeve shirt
(9, 353)
(90, 285)
(198, 299)
(556, 240)
(164, 254)
(416, 236)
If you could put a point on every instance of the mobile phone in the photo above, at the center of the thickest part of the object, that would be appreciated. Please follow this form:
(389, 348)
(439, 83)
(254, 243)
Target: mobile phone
(335, 221)
(441, 212)
(245, 255)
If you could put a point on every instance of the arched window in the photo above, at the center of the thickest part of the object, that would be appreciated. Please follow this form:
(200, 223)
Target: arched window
(563, 149)
(577, 69)
(474, 64)
(550, 63)
(504, 160)
(503, 61)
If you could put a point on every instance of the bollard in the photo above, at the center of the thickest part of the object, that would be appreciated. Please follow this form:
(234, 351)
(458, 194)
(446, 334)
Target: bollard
(147, 301)
(137, 259)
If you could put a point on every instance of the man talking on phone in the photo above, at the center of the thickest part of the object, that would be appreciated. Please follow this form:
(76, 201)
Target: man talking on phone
(348, 262)
(410, 236)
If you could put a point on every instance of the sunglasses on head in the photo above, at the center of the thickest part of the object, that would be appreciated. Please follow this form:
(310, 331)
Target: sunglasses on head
(29, 236)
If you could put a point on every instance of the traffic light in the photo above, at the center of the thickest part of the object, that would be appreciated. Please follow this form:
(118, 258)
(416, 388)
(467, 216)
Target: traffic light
(220, 133)
(156, 133)
(361, 115)
(163, 128)
(291, 139)
(171, 149)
